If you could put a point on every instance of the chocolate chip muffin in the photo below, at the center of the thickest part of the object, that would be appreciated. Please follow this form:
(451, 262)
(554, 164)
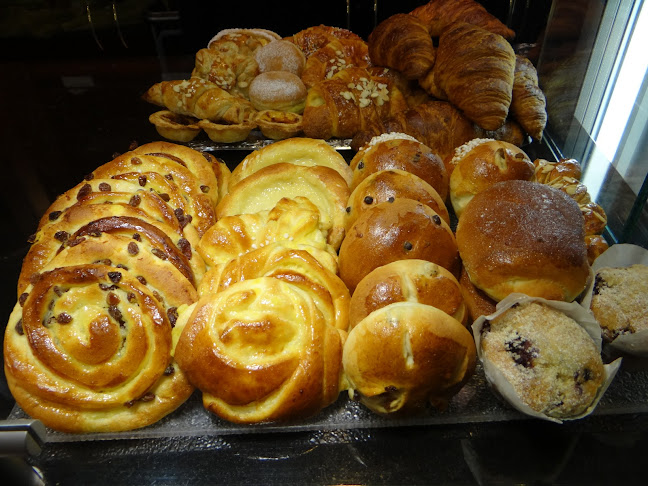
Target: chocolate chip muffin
(551, 362)
(619, 300)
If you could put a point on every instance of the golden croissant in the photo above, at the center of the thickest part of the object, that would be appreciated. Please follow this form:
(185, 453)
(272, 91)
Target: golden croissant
(528, 104)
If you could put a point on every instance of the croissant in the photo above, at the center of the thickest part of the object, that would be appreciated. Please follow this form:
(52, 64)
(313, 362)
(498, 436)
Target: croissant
(199, 98)
(335, 56)
(438, 14)
(475, 69)
(402, 42)
(354, 99)
(528, 103)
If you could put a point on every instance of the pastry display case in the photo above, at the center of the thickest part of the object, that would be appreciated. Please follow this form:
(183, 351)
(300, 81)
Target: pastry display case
(76, 79)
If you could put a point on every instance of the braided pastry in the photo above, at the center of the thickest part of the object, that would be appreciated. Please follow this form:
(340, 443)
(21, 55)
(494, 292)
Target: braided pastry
(88, 349)
(334, 57)
(260, 351)
(313, 38)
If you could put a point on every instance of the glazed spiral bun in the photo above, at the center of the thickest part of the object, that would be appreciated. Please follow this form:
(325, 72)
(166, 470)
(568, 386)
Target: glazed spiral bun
(408, 281)
(480, 164)
(404, 355)
(526, 237)
(278, 90)
(280, 55)
(387, 185)
(88, 349)
(399, 230)
(393, 151)
(260, 351)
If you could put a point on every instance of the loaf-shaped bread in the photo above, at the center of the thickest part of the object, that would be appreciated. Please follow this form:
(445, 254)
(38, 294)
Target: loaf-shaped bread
(387, 185)
(526, 237)
(408, 281)
(260, 351)
(405, 355)
(398, 230)
(402, 42)
(261, 191)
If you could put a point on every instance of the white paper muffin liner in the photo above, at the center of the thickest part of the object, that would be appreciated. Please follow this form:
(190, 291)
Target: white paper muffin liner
(501, 385)
(617, 256)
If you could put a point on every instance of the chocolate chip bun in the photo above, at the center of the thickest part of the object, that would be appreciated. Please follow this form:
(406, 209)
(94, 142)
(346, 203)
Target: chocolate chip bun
(405, 355)
(526, 237)
(408, 281)
(551, 362)
(399, 230)
(480, 164)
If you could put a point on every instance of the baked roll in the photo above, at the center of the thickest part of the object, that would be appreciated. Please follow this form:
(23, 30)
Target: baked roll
(88, 349)
(525, 237)
(405, 355)
(408, 281)
(260, 351)
(402, 42)
(399, 230)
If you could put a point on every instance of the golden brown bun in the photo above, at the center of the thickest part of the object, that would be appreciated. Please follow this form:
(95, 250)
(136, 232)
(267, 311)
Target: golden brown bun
(521, 236)
(439, 14)
(398, 230)
(387, 185)
(298, 151)
(404, 154)
(88, 349)
(278, 90)
(477, 302)
(404, 355)
(295, 266)
(408, 281)
(402, 42)
(280, 55)
(482, 163)
(261, 191)
(260, 351)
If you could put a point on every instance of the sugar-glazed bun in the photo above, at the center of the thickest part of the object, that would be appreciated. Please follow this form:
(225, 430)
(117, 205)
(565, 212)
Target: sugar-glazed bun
(278, 90)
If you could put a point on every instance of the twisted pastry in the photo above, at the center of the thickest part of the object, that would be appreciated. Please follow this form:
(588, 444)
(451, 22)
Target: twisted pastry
(294, 223)
(334, 57)
(200, 99)
(294, 266)
(260, 351)
(88, 349)
(313, 38)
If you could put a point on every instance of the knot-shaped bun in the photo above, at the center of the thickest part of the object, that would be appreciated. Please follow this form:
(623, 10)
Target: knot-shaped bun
(261, 351)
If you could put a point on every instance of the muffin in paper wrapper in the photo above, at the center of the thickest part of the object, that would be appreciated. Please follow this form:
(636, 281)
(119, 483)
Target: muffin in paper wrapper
(501, 386)
(617, 256)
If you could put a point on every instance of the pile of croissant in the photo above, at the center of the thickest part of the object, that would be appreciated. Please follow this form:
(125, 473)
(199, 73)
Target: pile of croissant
(444, 73)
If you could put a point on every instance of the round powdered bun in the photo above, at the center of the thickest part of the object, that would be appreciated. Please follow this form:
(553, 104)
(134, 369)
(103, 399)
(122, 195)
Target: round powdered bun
(551, 362)
(405, 355)
(526, 237)
(387, 185)
(408, 281)
(619, 300)
(278, 90)
(261, 191)
(404, 154)
(399, 230)
(280, 55)
(301, 151)
(483, 165)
